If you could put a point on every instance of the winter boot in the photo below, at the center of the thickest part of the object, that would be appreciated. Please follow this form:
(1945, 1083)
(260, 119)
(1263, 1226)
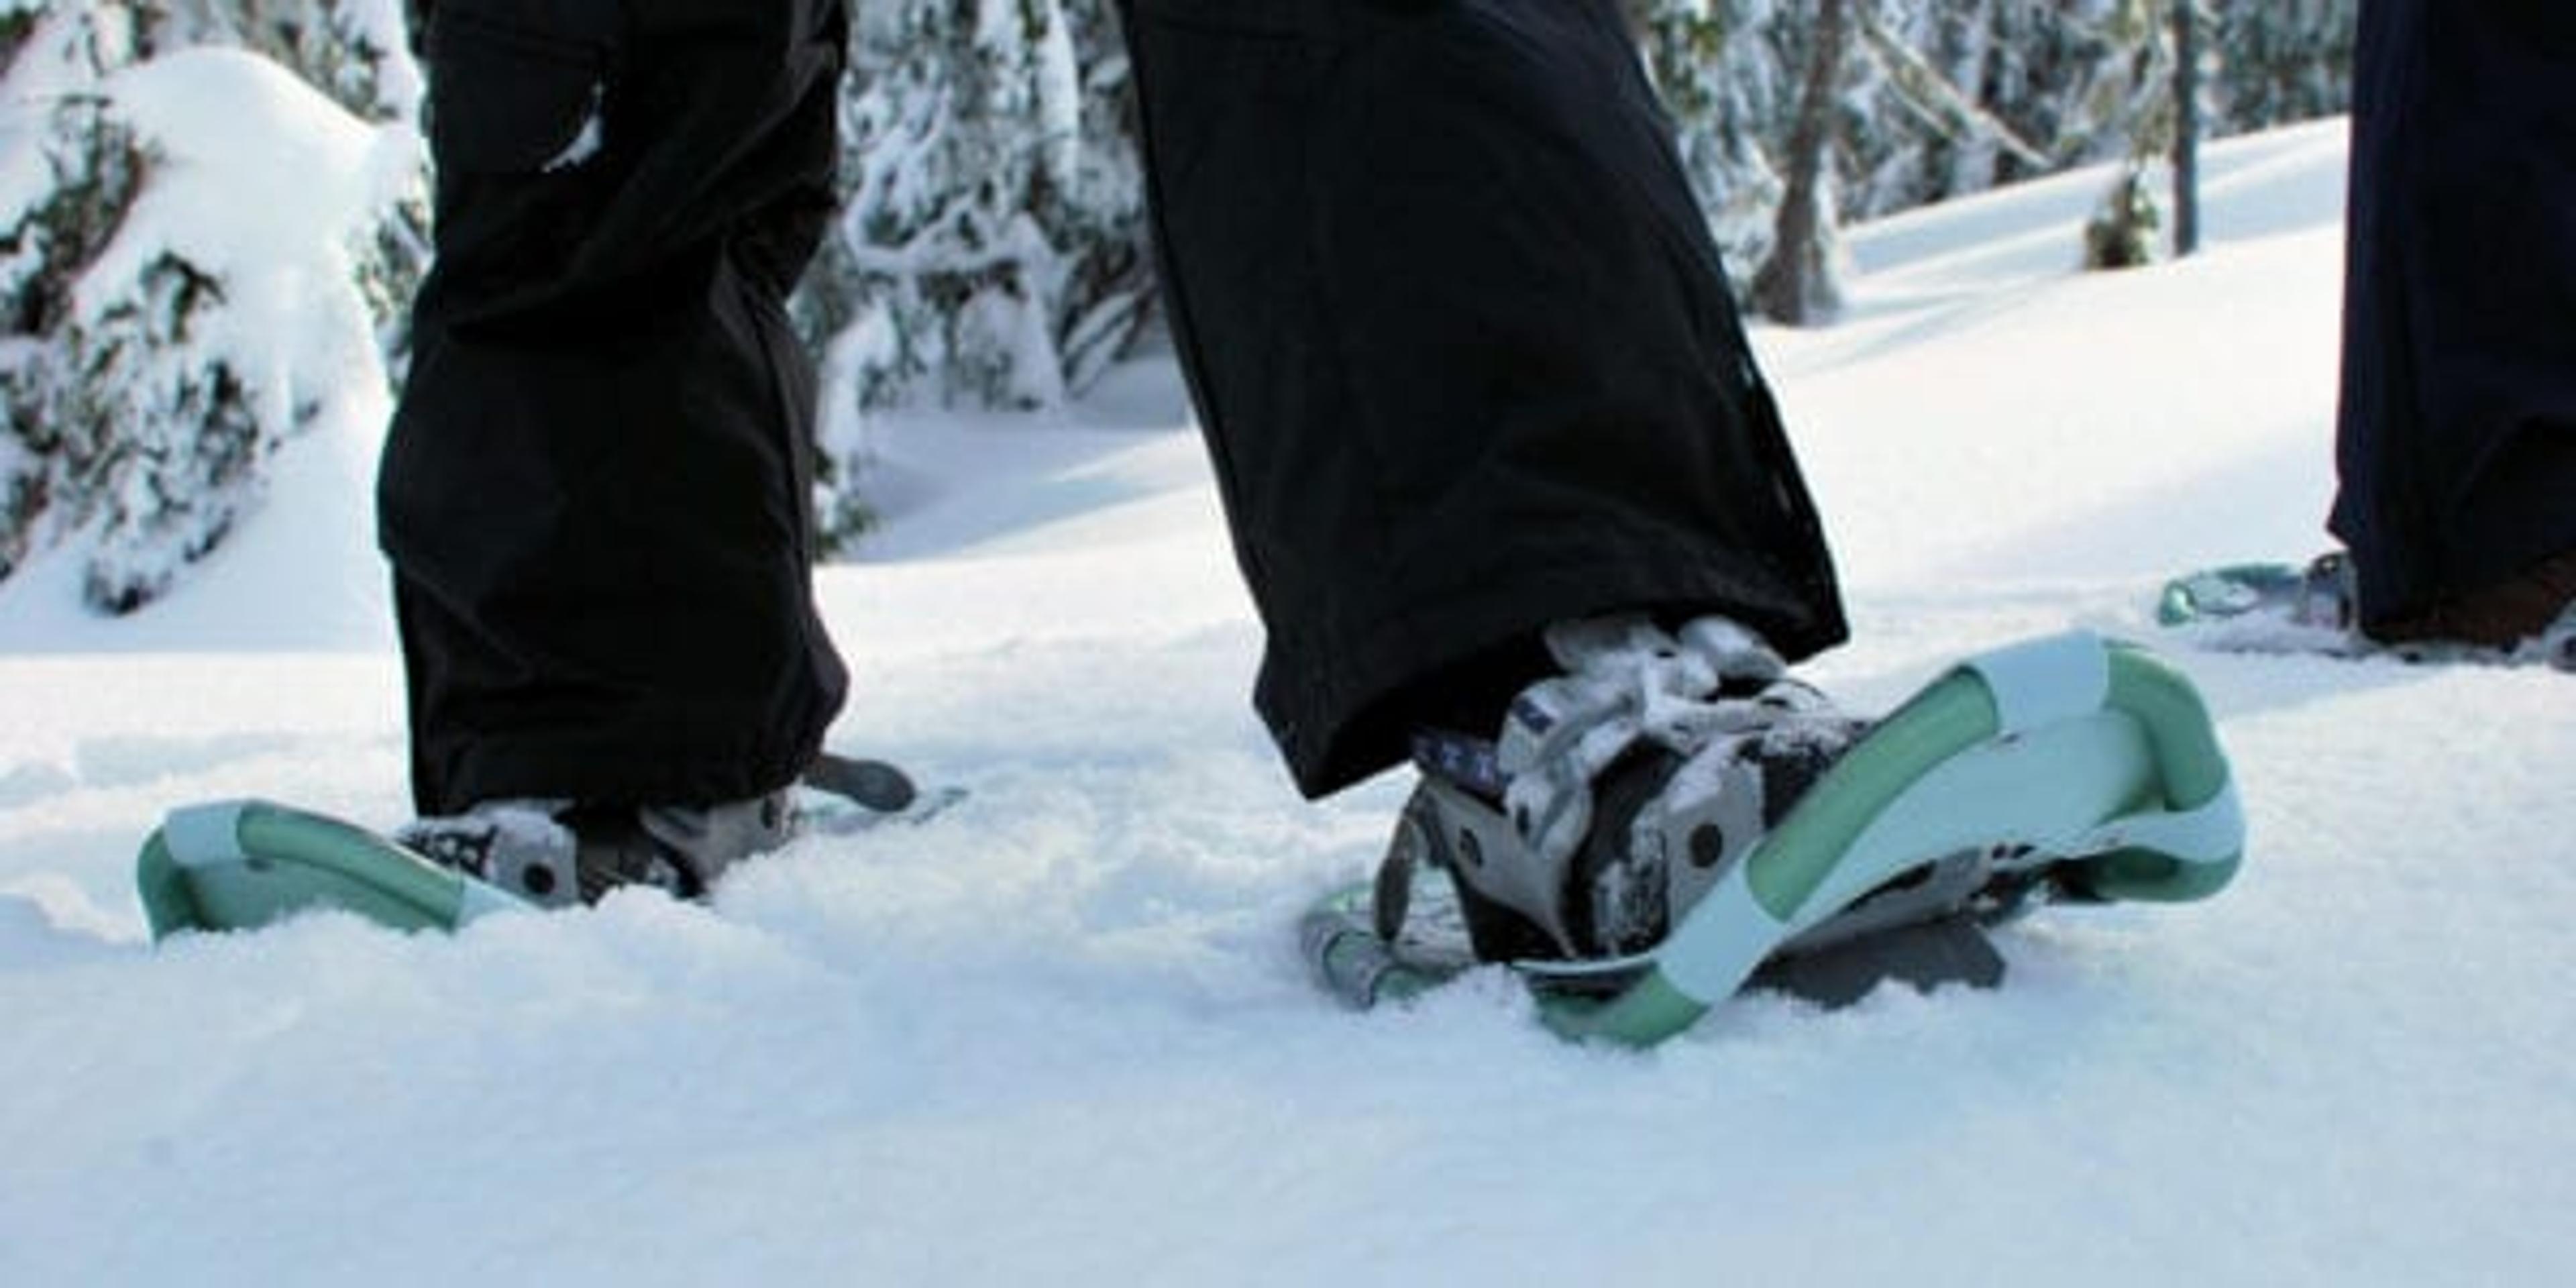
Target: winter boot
(2532, 612)
(556, 853)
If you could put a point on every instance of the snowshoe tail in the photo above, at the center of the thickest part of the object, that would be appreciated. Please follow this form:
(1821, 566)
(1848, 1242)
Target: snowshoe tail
(870, 784)
(240, 865)
(846, 794)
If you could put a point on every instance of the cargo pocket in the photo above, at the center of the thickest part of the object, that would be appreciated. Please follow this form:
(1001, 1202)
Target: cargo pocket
(519, 88)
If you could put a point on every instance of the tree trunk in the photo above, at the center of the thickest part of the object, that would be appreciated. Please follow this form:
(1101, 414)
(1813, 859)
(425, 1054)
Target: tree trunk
(1796, 285)
(2186, 160)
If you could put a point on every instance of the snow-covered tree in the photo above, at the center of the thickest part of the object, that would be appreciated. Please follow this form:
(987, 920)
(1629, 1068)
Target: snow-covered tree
(68, 172)
(165, 326)
(1725, 91)
(2132, 98)
(2284, 60)
(1933, 116)
(2190, 121)
(1797, 282)
(992, 251)
(355, 51)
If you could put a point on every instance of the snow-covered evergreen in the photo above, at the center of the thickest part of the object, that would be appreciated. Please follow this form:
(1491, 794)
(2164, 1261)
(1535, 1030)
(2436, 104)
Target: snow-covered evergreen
(197, 249)
(2284, 60)
(1725, 91)
(356, 51)
(992, 251)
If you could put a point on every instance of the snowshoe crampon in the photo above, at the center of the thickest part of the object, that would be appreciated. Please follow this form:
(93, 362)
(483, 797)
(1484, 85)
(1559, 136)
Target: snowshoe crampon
(2067, 768)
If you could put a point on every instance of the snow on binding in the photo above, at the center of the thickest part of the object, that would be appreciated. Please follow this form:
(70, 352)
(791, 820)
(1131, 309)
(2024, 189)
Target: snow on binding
(2068, 768)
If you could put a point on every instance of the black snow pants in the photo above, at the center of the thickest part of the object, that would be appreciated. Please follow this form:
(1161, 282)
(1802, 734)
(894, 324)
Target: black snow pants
(596, 492)
(1462, 348)
(2457, 435)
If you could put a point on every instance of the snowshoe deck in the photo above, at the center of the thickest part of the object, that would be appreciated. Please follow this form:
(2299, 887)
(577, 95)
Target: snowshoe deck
(2067, 768)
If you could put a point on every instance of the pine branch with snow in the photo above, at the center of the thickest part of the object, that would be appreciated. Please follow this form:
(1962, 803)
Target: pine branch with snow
(172, 322)
(992, 250)
(1725, 92)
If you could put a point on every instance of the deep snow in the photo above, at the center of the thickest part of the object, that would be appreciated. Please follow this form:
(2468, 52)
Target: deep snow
(1060, 1035)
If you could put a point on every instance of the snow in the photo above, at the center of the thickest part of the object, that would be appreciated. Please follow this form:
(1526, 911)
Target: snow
(1060, 1035)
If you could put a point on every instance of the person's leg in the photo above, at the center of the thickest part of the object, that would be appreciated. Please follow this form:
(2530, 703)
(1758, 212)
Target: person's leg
(2457, 431)
(1502, 474)
(595, 495)
(1463, 351)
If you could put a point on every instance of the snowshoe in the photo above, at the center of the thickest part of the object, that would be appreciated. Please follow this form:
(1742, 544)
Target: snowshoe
(2288, 608)
(2065, 769)
(239, 865)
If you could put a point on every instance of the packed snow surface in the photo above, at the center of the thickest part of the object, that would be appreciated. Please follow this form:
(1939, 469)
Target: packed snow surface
(1060, 1035)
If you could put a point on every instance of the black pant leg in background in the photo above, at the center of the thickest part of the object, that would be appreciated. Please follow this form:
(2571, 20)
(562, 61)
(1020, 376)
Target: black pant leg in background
(1461, 346)
(596, 492)
(2457, 434)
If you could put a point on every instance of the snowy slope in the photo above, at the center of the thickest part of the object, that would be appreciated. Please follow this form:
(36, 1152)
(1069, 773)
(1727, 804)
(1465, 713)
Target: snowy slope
(1060, 1035)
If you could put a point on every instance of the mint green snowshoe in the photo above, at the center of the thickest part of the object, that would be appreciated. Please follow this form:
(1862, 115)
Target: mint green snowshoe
(2065, 769)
